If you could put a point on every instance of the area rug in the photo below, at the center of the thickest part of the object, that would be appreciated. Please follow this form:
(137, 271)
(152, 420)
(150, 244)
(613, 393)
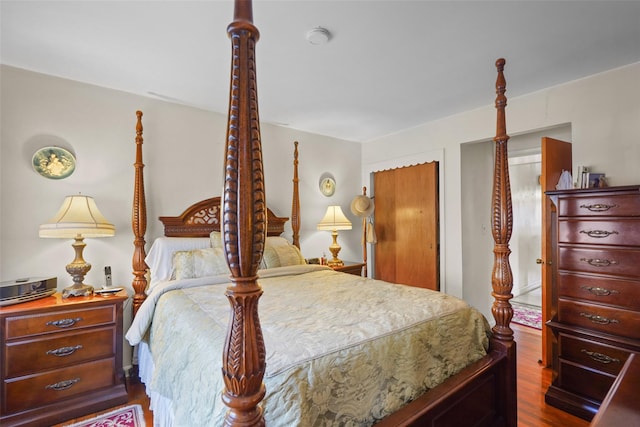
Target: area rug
(127, 416)
(527, 315)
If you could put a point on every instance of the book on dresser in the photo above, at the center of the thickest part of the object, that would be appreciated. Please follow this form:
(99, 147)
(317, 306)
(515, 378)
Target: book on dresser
(595, 293)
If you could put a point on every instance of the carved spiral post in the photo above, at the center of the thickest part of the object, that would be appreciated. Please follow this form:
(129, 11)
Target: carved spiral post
(244, 226)
(502, 219)
(295, 203)
(139, 223)
(364, 238)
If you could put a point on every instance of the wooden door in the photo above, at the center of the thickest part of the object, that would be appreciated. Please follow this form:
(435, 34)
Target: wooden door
(556, 157)
(407, 225)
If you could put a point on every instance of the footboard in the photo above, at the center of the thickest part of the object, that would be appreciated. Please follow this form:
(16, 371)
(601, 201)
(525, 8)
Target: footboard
(479, 395)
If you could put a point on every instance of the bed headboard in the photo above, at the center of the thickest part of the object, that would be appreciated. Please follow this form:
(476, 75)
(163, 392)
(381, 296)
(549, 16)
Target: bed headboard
(203, 217)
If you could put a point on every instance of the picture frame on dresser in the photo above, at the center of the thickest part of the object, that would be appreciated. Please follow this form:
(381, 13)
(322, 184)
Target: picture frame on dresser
(595, 293)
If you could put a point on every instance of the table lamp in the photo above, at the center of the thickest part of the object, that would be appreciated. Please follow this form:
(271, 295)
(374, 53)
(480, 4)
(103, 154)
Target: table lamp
(79, 217)
(333, 221)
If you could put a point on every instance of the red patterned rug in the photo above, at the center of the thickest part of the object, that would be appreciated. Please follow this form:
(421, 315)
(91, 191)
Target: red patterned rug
(527, 315)
(127, 416)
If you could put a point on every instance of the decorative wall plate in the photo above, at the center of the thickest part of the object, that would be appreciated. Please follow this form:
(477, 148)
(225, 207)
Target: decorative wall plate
(54, 162)
(327, 186)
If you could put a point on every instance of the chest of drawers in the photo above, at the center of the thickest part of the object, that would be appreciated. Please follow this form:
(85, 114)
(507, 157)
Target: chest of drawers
(60, 359)
(595, 294)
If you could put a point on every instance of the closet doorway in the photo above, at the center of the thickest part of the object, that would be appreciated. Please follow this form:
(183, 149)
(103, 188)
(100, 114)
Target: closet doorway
(407, 225)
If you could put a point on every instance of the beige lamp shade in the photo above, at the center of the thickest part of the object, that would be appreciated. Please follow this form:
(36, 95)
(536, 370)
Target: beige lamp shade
(334, 219)
(78, 215)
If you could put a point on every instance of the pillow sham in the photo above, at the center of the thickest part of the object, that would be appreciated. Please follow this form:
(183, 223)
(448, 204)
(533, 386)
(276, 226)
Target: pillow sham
(278, 252)
(216, 239)
(199, 263)
(159, 259)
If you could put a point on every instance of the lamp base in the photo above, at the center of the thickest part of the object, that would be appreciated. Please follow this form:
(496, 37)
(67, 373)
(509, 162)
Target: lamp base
(77, 290)
(335, 263)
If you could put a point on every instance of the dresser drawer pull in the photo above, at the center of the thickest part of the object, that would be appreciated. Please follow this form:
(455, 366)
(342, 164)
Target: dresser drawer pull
(598, 234)
(598, 207)
(599, 319)
(64, 323)
(599, 357)
(64, 351)
(62, 385)
(601, 292)
(596, 262)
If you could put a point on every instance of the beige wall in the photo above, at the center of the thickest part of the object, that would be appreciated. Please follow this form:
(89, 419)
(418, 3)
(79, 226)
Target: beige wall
(603, 112)
(183, 153)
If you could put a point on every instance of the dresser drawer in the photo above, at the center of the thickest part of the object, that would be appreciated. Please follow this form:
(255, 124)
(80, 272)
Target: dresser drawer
(609, 261)
(592, 354)
(623, 232)
(609, 320)
(584, 381)
(41, 389)
(22, 326)
(600, 205)
(33, 355)
(603, 290)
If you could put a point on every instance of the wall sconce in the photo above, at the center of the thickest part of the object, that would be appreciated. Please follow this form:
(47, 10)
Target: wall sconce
(333, 221)
(78, 218)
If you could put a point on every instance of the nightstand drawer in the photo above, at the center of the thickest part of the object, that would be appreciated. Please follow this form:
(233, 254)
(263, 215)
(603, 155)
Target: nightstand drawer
(28, 356)
(583, 381)
(592, 354)
(615, 321)
(620, 232)
(620, 292)
(36, 390)
(22, 326)
(609, 261)
(600, 205)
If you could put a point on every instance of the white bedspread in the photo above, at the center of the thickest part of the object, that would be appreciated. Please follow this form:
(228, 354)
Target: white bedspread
(341, 350)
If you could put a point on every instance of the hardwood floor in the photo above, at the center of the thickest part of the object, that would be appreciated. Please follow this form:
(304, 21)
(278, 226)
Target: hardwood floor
(533, 381)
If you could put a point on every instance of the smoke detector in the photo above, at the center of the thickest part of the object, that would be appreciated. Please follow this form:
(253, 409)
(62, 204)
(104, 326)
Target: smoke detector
(318, 36)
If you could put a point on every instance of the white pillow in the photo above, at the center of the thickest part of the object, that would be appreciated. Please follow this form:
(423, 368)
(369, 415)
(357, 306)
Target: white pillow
(160, 257)
(199, 263)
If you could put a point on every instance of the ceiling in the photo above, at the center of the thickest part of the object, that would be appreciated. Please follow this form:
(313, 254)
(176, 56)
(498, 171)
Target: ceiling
(388, 66)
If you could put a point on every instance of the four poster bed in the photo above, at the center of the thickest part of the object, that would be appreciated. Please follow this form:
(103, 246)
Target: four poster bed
(328, 348)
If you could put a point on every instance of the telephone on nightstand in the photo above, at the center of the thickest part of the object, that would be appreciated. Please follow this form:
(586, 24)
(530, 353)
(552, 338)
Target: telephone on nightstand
(107, 276)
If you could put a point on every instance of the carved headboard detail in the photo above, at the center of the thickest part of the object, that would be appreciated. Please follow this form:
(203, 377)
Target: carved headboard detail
(203, 217)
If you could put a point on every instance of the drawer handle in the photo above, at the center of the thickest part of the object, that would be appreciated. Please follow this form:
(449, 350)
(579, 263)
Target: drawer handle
(599, 357)
(64, 351)
(598, 234)
(601, 292)
(62, 385)
(596, 262)
(64, 323)
(598, 207)
(599, 319)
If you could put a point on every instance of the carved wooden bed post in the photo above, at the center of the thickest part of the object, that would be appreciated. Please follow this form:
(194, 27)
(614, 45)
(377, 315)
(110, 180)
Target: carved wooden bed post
(244, 228)
(139, 223)
(501, 226)
(295, 202)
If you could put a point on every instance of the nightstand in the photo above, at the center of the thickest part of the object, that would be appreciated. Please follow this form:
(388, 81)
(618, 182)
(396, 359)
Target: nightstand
(60, 358)
(351, 268)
